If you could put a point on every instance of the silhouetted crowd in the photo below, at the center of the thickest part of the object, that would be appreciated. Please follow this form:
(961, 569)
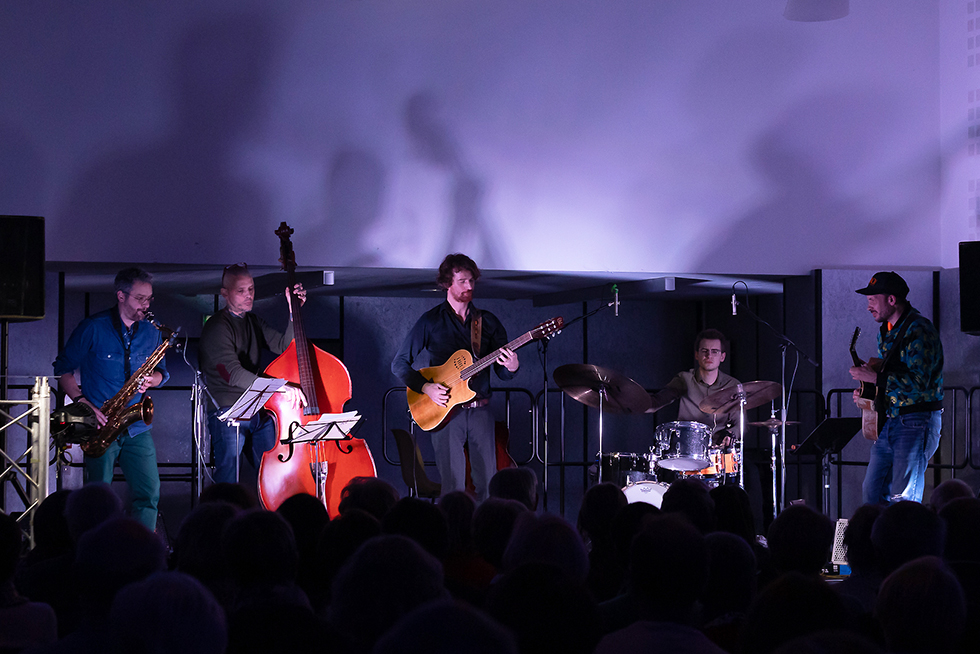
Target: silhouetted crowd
(399, 575)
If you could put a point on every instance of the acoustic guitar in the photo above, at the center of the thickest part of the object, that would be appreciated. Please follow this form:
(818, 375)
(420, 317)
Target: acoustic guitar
(455, 374)
(866, 402)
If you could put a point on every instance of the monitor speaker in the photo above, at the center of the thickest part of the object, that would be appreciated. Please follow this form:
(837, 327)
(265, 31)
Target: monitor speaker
(21, 268)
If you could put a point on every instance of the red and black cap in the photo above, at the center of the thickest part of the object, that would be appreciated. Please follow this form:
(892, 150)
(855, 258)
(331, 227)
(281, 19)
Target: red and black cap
(886, 283)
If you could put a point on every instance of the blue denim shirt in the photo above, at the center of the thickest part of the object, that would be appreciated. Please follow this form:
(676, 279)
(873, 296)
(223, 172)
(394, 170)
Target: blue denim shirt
(96, 349)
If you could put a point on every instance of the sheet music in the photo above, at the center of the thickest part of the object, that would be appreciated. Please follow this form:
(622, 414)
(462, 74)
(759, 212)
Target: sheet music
(253, 399)
(329, 426)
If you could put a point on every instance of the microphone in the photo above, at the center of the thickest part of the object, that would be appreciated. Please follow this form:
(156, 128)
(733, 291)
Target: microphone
(734, 304)
(615, 290)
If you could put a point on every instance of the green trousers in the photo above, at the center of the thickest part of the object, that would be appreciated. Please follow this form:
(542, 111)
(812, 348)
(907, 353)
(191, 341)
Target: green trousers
(137, 457)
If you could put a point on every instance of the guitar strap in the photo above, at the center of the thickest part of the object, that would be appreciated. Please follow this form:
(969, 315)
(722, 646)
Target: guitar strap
(476, 333)
(881, 401)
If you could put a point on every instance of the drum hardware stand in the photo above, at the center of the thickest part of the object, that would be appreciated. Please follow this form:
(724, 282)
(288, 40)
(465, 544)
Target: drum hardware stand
(773, 430)
(602, 395)
(741, 435)
(603, 389)
(784, 407)
(573, 378)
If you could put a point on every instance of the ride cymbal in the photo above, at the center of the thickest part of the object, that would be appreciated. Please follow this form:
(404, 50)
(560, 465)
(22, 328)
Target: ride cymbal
(585, 383)
(757, 393)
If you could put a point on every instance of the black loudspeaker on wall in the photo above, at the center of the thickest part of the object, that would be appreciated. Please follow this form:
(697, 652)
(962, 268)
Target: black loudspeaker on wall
(21, 268)
(970, 287)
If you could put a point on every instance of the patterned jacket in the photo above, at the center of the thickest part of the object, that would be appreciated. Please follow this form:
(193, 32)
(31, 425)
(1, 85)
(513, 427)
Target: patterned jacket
(913, 377)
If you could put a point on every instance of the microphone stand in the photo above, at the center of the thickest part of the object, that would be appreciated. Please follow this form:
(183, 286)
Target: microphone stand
(199, 426)
(585, 316)
(785, 342)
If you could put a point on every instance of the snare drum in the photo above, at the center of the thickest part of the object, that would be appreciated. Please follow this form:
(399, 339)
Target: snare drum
(721, 463)
(725, 463)
(651, 492)
(622, 468)
(683, 445)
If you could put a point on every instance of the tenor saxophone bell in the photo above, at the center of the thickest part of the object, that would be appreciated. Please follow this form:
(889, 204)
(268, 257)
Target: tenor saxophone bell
(97, 446)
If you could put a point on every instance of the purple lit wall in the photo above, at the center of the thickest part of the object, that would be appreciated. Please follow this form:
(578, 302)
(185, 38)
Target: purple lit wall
(623, 135)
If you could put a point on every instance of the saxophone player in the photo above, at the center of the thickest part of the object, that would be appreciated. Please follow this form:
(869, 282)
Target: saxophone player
(102, 353)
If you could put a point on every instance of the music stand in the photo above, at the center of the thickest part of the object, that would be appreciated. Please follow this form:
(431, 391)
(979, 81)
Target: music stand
(246, 406)
(328, 427)
(827, 439)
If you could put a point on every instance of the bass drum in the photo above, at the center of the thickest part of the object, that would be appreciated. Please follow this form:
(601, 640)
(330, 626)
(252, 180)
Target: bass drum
(623, 468)
(650, 492)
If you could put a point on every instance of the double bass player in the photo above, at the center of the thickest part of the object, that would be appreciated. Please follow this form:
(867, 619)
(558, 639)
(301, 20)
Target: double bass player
(231, 346)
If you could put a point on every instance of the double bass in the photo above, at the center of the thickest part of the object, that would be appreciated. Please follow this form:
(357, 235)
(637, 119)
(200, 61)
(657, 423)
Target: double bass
(322, 468)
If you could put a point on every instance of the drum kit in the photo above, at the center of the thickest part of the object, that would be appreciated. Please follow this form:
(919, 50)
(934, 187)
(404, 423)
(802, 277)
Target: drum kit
(681, 448)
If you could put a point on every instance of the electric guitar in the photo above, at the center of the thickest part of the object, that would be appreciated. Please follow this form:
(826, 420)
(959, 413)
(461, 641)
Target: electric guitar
(455, 374)
(866, 401)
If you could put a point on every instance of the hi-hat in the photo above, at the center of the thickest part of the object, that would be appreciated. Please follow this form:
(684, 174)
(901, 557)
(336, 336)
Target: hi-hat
(585, 382)
(772, 423)
(757, 393)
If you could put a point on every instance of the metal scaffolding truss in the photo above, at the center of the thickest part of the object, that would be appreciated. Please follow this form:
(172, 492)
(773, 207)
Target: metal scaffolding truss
(24, 424)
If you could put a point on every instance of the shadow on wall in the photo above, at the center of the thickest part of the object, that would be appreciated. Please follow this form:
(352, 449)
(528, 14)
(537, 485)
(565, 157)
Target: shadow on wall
(355, 196)
(178, 196)
(806, 161)
(435, 145)
(438, 201)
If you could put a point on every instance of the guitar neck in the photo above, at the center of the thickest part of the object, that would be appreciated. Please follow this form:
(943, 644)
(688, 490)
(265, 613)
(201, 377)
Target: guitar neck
(482, 364)
(854, 355)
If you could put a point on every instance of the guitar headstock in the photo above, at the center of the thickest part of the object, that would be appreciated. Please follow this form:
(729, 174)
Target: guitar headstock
(286, 255)
(854, 339)
(548, 328)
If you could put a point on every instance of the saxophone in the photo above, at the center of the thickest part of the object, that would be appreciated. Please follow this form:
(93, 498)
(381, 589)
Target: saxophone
(118, 415)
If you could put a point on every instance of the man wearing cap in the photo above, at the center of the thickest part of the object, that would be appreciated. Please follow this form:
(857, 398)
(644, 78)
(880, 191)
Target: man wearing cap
(909, 393)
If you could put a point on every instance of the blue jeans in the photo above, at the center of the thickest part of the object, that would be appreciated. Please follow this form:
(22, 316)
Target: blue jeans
(476, 427)
(260, 432)
(897, 469)
(137, 458)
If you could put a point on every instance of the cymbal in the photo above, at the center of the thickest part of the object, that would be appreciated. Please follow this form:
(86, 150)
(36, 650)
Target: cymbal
(757, 393)
(773, 422)
(656, 407)
(584, 383)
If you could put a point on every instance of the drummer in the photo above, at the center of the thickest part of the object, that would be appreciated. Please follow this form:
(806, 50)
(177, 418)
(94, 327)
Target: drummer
(692, 386)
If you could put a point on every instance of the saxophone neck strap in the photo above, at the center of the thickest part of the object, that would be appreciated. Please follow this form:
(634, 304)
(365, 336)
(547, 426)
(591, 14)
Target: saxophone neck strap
(126, 337)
